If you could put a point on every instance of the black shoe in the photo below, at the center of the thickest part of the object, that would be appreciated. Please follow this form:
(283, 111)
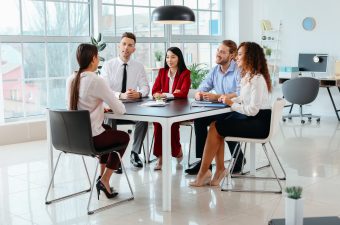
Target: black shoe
(135, 160)
(111, 188)
(194, 170)
(119, 170)
(100, 187)
(238, 166)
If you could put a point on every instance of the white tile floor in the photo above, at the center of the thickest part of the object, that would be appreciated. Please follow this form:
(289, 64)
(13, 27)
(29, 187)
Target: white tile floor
(310, 154)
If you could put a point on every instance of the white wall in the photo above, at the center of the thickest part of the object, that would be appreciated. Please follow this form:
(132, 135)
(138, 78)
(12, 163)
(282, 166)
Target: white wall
(24, 131)
(239, 27)
(325, 38)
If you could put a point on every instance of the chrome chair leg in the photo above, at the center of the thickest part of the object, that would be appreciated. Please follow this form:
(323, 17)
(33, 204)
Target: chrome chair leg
(258, 168)
(271, 165)
(189, 154)
(278, 160)
(150, 150)
(87, 172)
(230, 188)
(90, 212)
(47, 202)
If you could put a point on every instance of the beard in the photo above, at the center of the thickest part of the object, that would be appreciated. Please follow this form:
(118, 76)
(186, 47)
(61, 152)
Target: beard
(221, 61)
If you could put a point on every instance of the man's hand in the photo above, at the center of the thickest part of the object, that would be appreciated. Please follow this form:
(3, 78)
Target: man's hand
(123, 96)
(198, 96)
(225, 99)
(132, 94)
(209, 96)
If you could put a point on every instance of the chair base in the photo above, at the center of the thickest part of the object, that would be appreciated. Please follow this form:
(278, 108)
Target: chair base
(229, 185)
(89, 212)
(301, 116)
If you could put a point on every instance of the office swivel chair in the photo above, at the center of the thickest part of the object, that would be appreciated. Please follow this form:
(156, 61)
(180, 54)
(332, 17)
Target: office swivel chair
(71, 133)
(301, 91)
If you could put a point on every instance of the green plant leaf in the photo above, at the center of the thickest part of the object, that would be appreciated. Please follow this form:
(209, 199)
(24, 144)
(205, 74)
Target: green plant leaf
(294, 192)
(94, 41)
(99, 37)
(158, 55)
(101, 47)
(197, 74)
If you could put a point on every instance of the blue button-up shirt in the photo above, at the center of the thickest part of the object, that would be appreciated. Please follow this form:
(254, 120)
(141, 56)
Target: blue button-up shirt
(222, 83)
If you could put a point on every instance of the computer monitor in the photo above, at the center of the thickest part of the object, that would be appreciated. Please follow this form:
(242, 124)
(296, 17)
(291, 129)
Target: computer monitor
(314, 63)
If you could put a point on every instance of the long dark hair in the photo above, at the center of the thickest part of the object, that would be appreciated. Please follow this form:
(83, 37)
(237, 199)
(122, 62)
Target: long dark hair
(255, 62)
(181, 63)
(85, 54)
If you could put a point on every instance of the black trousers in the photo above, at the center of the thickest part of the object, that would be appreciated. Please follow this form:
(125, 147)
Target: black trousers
(201, 131)
(110, 138)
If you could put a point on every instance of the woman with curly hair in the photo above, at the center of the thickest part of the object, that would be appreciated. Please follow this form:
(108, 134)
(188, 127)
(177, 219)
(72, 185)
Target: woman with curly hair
(250, 116)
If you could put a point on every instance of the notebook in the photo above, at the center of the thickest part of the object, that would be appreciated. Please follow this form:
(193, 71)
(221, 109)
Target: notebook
(208, 104)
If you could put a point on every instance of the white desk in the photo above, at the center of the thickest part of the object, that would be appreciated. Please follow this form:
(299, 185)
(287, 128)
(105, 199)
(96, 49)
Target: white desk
(176, 111)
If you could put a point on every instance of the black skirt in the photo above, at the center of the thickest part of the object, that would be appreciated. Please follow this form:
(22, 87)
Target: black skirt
(239, 125)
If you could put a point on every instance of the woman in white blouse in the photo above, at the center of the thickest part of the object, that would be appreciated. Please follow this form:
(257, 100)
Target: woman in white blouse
(250, 116)
(87, 91)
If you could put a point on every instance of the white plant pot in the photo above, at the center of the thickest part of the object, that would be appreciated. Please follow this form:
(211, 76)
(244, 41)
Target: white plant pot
(294, 211)
(158, 64)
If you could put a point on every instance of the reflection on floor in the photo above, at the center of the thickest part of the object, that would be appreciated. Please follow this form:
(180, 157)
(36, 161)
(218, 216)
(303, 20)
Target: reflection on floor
(310, 154)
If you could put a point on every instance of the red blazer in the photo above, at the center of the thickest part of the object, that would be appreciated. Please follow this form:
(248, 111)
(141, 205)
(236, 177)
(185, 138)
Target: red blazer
(182, 82)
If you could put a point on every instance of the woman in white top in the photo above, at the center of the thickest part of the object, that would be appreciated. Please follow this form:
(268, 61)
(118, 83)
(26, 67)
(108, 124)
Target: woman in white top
(250, 116)
(87, 91)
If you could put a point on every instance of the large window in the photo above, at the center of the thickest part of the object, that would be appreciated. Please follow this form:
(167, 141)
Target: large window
(39, 39)
(198, 41)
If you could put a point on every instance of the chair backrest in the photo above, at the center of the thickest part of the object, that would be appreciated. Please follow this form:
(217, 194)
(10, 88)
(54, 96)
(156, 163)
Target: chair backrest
(71, 131)
(276, 116)
(301, 90)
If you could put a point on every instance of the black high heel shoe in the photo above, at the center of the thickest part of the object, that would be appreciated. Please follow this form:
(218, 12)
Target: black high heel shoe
(101, 187)
(111, 188)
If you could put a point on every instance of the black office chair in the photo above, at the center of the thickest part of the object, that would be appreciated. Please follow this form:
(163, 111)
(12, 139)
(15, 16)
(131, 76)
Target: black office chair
(301, 91)
(71, 133)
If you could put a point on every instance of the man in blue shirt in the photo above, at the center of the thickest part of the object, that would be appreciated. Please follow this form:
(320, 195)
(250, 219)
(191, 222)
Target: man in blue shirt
(224, 78)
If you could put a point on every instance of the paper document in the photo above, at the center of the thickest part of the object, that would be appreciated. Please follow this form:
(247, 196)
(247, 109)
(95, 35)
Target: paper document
(155, 104)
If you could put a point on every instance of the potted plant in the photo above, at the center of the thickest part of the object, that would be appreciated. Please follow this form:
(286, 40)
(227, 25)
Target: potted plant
(268, 51)
(294, 206)
(158, 58)
(198, 71)
(101, 45)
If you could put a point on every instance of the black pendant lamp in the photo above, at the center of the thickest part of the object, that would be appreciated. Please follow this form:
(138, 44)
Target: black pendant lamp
(173, 14)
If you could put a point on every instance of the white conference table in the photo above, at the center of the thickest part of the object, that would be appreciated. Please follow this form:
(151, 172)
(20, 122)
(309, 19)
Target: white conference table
(176, 111)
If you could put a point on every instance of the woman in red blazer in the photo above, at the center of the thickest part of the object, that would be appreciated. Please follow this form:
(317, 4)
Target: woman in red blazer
(173, 81)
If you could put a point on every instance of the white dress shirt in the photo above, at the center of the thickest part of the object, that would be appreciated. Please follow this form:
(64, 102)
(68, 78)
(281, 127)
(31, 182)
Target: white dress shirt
(93, 91)
(253, 96)
(112, 72)
(171, 83)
